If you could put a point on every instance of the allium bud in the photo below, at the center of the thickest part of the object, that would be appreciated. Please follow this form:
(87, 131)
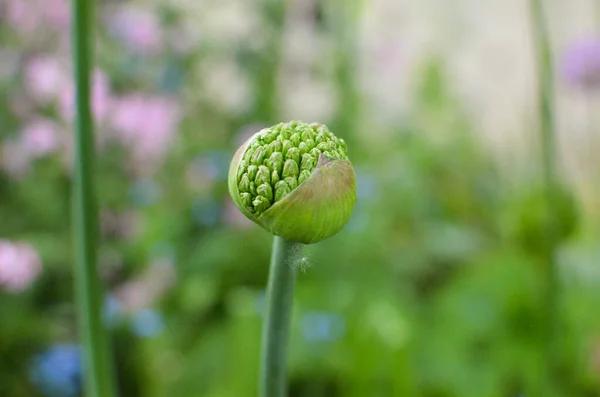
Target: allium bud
(295, 180)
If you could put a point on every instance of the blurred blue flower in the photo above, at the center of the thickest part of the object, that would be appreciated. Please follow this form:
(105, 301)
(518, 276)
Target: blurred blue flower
(145, 192)
(367, 191)
(214, 164)
(171, 79)
(581, 64)
(366, 186)
(147, 323)
(206, 211)
(359, 219)
(112, 311)
(57, 372)
(322, 326)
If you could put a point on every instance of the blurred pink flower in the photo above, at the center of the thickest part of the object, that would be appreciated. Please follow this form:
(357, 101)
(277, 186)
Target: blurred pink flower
(26, 16)
(20, 265)
(45, 78)
(139, 29)
(146, 124)
(101, 98)
(581, 64)
(22, 15)
(57, 13)
(39, 137)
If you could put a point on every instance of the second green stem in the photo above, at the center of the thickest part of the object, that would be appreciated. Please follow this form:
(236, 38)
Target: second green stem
(548, 139)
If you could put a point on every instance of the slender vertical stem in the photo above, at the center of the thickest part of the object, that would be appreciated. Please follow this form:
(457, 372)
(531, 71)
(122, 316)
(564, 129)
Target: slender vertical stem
(342, 16)
(548, 140)
(98, 375)
(267, 101)
(280, 296)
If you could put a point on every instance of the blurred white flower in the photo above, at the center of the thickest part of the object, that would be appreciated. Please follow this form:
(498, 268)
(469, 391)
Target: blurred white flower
(306, 98)
(225, 85)
(225, 24)
(20, 265)
(228, 22)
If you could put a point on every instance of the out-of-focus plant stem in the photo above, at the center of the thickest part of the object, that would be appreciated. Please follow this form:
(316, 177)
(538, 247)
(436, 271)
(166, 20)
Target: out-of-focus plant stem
(343, 16)
(541, 42)
(97, 367)
(280, 297)
(267, 101)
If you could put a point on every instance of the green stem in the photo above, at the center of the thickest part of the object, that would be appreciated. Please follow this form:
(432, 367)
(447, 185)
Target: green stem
(342, 15)
(548, 139)
(267, 101)
(280, 296)
(98, 375)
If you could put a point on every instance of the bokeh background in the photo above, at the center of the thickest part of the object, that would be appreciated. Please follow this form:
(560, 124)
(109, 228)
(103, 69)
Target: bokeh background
(436, 286)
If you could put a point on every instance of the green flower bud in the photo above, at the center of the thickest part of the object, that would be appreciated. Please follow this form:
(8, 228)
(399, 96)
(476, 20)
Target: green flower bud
(275, 162)
(270, 136)
(274, 146)
(294, 180)
(259, 155)
(303, 148)
(281, 190)
(304, 175)
(246, 199)
(291, 181)
(287, 145)
(294, 155)
(308, 162)
(242, 169)
(263, 175)
(244, 185)
(261, 204)
(252, 170)
(266, 191)
(275, 178)
(290, 168)
(307, 134)
(295, 139)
